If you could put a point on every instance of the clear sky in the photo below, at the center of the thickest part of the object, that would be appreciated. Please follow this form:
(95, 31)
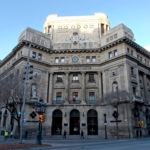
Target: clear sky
(16, 15)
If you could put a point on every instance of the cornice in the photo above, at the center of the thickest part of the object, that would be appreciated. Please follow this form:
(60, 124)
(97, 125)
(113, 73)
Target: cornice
(58, 51)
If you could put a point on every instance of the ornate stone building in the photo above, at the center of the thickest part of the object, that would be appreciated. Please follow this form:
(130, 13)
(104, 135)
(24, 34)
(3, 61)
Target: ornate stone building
(93, 78)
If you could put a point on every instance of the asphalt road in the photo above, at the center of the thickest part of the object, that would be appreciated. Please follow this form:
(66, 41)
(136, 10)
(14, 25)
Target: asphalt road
(87, 144)
(132, 144)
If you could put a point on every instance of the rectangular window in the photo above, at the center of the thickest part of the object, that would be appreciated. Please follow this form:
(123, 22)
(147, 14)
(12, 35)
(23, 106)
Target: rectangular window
(59, 78)
(132, 71)
(115, 52)
(110, 55)
(132, 52)
(75, 78)
(58, 96)
(88, 59)
(39, 56)
(93, 59)
(34, 55)
(74, 96)
(92, 96)
(91, 77)
(62, 59)
(57, 60)
(102, 28)
(134, 91)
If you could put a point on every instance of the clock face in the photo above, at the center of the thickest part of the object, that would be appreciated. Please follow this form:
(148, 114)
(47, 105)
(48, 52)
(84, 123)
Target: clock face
(75, 59)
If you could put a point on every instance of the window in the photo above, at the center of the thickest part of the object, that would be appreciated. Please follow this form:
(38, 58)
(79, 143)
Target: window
(34, 55)
(132, 71)
(115, 53)
(134, 91)
(102, 29)
(49, 28)
(110, 54)
(91, 77)
(59, 78)
(88, 59)
(75, 78)
(56, 60)
(93, 58)
(58, 96)
(92, 96)
(62, 59)
(74, 96)
(39, 56)
(33, 91)
(132, 52)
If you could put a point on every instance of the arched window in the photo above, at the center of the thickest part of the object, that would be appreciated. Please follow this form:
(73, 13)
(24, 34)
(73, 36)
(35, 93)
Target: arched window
(57, 122)
(74, 122)
(92, 122)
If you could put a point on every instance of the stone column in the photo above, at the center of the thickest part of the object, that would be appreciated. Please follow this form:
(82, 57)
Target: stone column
(66, 88)
(51, 82)
(145, 88)
(83, 88)
(103, 76)
(138, 83)
(99, 87)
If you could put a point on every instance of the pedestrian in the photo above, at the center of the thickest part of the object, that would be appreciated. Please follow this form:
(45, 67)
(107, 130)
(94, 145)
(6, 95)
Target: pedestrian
(65, 133)
(82, 135)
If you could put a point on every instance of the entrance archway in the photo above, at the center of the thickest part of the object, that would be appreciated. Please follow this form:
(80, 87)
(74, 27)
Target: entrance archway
(74, 122)
(92, 122)
(57, 122)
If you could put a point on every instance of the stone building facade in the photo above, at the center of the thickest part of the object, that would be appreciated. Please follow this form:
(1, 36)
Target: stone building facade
(93, 78)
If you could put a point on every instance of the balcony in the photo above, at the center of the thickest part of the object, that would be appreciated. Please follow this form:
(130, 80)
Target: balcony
(76, 101)
(58, 101)
(137, 98)
(91, 101)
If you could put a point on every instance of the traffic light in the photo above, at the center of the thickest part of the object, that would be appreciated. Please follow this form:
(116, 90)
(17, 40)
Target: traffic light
(30, 72)
(41, 118)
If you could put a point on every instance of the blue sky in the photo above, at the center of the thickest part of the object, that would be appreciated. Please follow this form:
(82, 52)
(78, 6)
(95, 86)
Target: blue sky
(16, 15)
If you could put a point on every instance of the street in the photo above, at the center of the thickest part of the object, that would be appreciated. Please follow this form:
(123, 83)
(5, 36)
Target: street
(84, 144)
(131, 144)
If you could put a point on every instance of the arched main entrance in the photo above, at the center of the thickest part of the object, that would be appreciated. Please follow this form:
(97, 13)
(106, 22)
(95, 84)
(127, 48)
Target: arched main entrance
(57, 122)
(74, 122)
(92, 122)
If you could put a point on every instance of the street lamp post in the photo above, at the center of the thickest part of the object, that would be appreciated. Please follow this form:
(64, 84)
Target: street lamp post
(105, 125)
(40, 108)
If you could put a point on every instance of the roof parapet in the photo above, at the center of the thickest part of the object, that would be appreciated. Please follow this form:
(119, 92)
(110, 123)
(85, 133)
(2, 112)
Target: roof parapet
(36, 37)
(116, 33)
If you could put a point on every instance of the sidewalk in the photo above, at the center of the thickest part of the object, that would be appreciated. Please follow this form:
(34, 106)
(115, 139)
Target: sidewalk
(13, 144)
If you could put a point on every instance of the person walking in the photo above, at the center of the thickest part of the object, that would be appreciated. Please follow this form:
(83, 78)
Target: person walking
(65, 133)
(82, 135)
